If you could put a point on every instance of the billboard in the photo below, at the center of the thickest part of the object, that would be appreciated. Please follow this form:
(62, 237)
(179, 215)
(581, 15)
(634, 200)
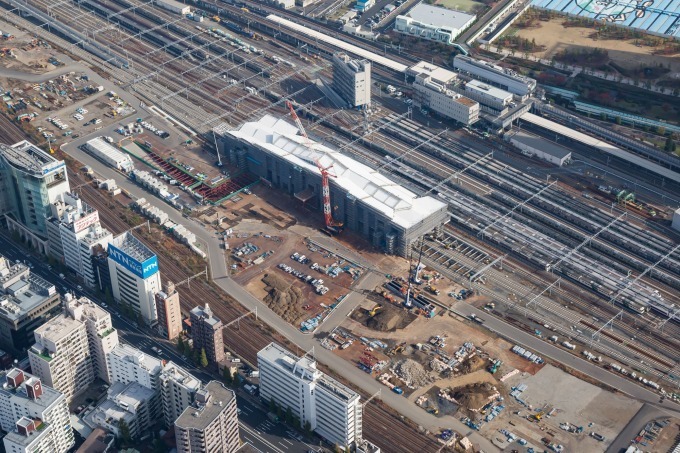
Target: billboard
(84, 222)
(140, 269)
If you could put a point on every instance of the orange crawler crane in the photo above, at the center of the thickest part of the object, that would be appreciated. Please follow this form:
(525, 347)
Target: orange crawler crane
(331, 225)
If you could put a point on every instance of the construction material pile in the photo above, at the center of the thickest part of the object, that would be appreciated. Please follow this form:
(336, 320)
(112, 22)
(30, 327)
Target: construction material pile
(284, 299)
(412, 373)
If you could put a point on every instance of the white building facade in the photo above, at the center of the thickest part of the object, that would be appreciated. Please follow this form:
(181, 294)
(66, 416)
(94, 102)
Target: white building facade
(433, 23)
(127, 364)
(135, 278)
(178, 390)
(332, 409)
(352, 79)
(445, 102)
(503, 78)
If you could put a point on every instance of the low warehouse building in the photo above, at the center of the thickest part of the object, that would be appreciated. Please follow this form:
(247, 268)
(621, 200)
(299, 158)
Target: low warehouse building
(109, 154)
(388, 215)
(433, 23)
(533, 145)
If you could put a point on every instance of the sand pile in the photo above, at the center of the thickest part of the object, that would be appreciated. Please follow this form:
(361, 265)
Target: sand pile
(412, 373)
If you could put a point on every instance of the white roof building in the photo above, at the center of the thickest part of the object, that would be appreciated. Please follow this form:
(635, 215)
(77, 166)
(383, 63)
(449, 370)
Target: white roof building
(433, 23)
(109, 154)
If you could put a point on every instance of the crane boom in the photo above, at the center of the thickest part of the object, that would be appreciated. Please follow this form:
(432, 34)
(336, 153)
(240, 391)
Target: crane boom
(325, 174)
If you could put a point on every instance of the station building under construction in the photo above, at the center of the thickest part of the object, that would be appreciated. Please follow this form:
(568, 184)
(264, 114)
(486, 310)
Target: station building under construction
(390, 216)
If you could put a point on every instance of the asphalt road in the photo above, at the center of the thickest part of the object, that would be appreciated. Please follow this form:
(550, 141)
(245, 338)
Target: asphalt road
(253, 422)
(646, 414)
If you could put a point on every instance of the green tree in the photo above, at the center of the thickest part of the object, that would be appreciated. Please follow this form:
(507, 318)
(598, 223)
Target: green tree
(272, 405)
(307, 428)
(289, 416)
(618, 120)
(180, 345)
(228, 378)
(660, 130)
(196, 356)
(124, 431)
(670, 146)
(203, 358)
(159, 447)
(107, 296)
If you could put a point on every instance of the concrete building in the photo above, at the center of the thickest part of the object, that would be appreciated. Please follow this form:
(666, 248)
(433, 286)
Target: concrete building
(24, 399)
(494, 99)
(352, 79)
(132, 402)
(364, 5)
(26, 302)
(73, 232)
(206, 333)
(133, 269)
(332, 409)
(388, 215)
(676, 220)
(109, 154)
(444, 101)
(533, 145)
(433, 23)
(168, 311)
(30, 180)
(102, 337)
(178, 390)
(492, 74)
(210, 424)
(61, 356)
(128, 364)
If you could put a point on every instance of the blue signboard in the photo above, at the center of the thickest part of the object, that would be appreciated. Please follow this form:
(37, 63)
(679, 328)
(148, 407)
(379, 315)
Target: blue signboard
(142, 270)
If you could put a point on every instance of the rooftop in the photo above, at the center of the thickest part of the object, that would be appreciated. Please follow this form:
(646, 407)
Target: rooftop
(476, 85)
(107, 414)
(206, 314)
(200, 415)
(57, 328)
(174, 372)
(354, 64)
(507, 72)
(305, 368)
(439, 17)
(127, 353)
(82, 307)
(437, 73)
(132, 246)
(41, 430)
(465, 101)
(541, 143)
(130, 395)
(18, 394)
(281, 138)
(27, 157)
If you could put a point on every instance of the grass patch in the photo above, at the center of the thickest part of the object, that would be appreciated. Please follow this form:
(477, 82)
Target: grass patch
(468, 6)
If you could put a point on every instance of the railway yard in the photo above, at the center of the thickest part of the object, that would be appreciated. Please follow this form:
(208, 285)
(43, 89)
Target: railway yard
(533, 251)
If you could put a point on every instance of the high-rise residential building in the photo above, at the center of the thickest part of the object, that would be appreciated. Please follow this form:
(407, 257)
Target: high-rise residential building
(61, 356)
(352, 79)
(332, 409)
(35, 415)
(135, 278)
(30, 181)
(133, 403)
(102, 337)
(210, 424)
(178, 390)
(26, 302)
(128, 364)
(74, 231)
(168, 311)
(206, 333)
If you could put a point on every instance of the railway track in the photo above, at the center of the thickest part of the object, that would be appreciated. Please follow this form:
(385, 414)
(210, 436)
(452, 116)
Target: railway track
(10, 133)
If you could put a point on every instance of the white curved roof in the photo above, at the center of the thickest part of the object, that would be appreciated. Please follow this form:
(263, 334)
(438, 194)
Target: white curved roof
(281, 138)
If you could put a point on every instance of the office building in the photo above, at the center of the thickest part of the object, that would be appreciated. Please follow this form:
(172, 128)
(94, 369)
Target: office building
(26, 302)
(210, 424)
(492, 99)
(444, 101)
(100, 267)
(132, 402)
(61, 356)
(206, 333)
(133, 270)
(102, 337)
(332, 409)
(168, 311)
(389, 216)
(74, 231)
(178, 390)
(24, 399)
(433, 23)
(492, 74)
(352, 79)
(128, 364)
(30, 180)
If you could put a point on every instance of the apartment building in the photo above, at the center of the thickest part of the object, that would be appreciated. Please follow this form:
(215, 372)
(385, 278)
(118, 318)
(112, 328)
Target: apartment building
(35, 416)
(206, 333)
(127, 364)
(61, 356)
(178, 390)
(26, 302)
(332, 409)
(210, 424)
(132, 402)
(168, 311)
(102, 337)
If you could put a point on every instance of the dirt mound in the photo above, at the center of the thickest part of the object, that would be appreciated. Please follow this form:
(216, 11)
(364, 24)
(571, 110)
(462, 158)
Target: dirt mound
(472, 364)
(474, 396)
(388, 319)
(284, 299)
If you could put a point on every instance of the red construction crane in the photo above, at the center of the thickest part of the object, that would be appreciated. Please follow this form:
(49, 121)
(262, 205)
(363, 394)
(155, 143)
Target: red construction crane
(325, 174)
